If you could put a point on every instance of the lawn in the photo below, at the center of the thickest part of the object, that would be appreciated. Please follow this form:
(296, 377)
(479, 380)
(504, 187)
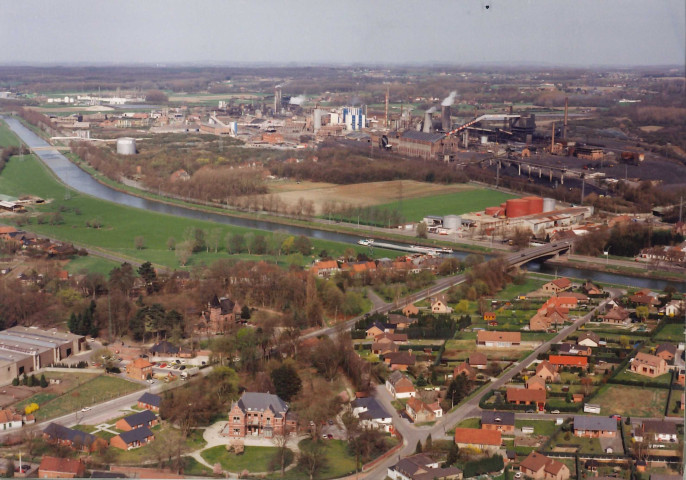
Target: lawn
(634, 377)
(121, 224)
(583, 444)
(513, 290)
(91, 392)
(253, 459)
(631, 401)
(195, 468)
(90, 264)
(414, 209)
(672, 332)
(7, 137)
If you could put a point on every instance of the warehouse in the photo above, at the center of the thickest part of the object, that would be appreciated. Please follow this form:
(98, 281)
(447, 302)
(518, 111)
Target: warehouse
(24, 350)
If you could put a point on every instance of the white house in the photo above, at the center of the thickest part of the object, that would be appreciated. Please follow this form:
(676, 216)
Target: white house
(372, 414)
(656, 431)
(673, 308)
(399, 385)
(9, 420)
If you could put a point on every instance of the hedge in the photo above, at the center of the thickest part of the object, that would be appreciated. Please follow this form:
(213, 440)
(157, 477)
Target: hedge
(485, 465)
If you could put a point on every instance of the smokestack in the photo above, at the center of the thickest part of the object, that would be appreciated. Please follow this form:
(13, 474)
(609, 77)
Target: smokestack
(445, 117)
(427, 122)
(387, 92)
(564, 128)
(552, 141)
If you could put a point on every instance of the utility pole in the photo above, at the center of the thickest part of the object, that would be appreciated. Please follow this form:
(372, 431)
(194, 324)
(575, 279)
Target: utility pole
(388, 91)
(681, 205)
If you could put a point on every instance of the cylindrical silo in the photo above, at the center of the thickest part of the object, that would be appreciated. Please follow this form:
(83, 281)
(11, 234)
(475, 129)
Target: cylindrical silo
(126, 146)
(548, 204)
(317, 119)
(452, 222)
(492, 211)
(427, 122)
(535, 204)
(517, 208)
(445, 118)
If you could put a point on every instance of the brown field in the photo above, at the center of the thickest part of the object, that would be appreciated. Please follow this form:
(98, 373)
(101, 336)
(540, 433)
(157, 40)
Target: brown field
(360, 194)
(651, 128)
(631, 401)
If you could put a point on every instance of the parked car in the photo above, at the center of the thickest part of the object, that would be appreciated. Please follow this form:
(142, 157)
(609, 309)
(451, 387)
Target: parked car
(85, 409)
(555, 412)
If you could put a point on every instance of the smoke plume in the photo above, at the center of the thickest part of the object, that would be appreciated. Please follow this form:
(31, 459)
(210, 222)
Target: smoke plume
(299, 100)
(449, 100)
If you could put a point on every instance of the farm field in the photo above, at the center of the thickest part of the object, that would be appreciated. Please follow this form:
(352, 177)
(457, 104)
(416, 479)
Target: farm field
(368, 194)
(120, 224)
(631, 401)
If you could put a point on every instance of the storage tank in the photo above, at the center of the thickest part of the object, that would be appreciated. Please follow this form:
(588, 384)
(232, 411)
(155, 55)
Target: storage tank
(317, 119)
(517, 207)
(535, 204)
(548, 204)
(492, 211)
(452, 222)
(126, 146)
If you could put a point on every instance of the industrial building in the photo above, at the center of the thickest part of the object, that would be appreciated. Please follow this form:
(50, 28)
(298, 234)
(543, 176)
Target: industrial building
(26, 349)
(428, 146)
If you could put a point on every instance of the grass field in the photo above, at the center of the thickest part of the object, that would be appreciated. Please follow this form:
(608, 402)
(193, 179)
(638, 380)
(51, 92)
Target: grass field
(91, 392)
(673, 332)
(90, 264)
(475, 199)
(121, 224)
(631, 401)
(253, 459)
(634, 377)
(7, 137)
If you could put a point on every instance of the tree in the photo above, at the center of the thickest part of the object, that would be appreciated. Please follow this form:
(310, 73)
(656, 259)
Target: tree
(312, 458)
(453, 455)
(642, 312)
(235, 243)
(122, 278)
(139, 242)
(43, 381)
(286, 381)
(156, 96)
(422, 230)
(428, 444)
(303, 245)
(213, 239)
(260, 245)
(183, 252)
(171, 243)
(458, 389)
(418, 448)
(280, 441)
(521, 237)
(149, 275)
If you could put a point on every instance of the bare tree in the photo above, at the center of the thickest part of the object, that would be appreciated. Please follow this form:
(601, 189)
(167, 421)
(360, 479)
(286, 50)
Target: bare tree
(312, 458)
(280, 441)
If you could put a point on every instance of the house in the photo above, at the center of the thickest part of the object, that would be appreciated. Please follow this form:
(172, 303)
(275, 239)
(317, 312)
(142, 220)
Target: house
(648, 365)
(645, 298)
(259, 414)
(419, 411)
(568, 361)
(422, 467)
(325, 268)
(55, 467)
(524, 396)
(466, 369)
(666, 351)
(440, 305)
(485, 338)
(558, 285)
(673, 308)
(164, 349)
(384, 345)
(489, 316)
(487, 441)
(616, 315)
(410, 309)
(9, 420)
(139, 369)
(574, 349)
(372, 414)
(142, 419)
(592, 289)
(547, 371)
(547, 318)
(150, 401)
(399, 360)
(375, 330)
(540, 467)
(76, 439)
(588, 339)
(400, 322)
(595, 427)
(535, 383)
(577, 397)
(400, 386)
(135, 438)
(563, 303)
(500, 421)
(478, 360)
(657, 431)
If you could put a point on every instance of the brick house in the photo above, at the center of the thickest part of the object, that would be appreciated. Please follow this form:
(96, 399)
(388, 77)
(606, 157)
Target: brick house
(489, 316)
(524, 396)
(260, 414)
(142, 419)
(135, 438)
(595, 427)
(422, 467)
(419, 411)
(616, 315)
(588, 339)
(139, 369)
(558, 285)
(220, 314)
(57, 434)
(410, 309)
(9, 420)
(55, 467)
(485, 338)
(540, 467)
(648, 365)
(666, 351)
(400, 322)
(400, 386)
(466, 369)
(535, 383)
(440, 305)
(150, 401)
(478, 360)
(568, 361)
(547, 371)
(399, 360)
(500, 421)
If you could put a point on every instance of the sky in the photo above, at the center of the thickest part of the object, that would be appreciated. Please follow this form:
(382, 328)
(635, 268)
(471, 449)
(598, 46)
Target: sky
(460, 32)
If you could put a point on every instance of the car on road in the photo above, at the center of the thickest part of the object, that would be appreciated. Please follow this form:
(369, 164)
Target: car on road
(163, 365)
(615, 416)
(531, 411)
(85, 409)
(555, 412)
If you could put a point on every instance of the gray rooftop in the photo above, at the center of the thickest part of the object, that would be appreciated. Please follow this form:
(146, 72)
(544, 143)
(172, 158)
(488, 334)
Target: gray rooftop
(259, 402)
(136, 435)
(606, 424)
(497, 418)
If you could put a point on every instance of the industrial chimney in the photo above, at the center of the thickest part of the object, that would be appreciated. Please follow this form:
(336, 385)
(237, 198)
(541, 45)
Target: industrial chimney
(564, 129)
(445, 117)
(427, 122)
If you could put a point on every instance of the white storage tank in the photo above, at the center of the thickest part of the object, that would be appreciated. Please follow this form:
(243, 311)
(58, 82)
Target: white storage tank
(126, 146)
(549, 204)
(452, 222)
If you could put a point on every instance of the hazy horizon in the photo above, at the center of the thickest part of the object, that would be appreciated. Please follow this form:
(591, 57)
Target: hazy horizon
(552, 33)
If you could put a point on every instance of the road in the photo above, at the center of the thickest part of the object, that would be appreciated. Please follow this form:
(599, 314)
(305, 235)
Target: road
(412, 434)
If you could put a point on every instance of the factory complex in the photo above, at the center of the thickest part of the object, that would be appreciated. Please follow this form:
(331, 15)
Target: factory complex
(24, 350)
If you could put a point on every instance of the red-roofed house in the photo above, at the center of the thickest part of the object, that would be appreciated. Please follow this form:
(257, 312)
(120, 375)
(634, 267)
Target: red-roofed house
(410, 309)
(325, 268)
(139, 369)
(488, 441)
(419, 411)
(540, 467)
(55, 467)
(648, 365)
(547, 371)
(568, 361)
(558, 285)
(524, 396)
(485, 338)
(465, 368)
